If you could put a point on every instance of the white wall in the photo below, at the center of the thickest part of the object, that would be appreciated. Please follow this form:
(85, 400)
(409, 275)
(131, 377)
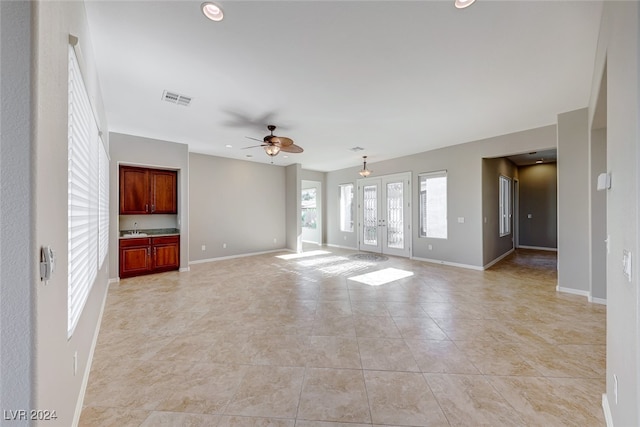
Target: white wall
(598, 280)
(293, 179)
(619, 49)
(136, 150)
(464, 179)
(56, 385)
(237, 203)
(573, 202)
(17, 252)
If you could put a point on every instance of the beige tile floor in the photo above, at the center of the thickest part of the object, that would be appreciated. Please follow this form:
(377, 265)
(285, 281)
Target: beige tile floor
(265, 341)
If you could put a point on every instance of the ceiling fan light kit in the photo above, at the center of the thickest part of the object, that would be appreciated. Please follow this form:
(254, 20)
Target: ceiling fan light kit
(273, 144)
(212, 11)
(461, 4)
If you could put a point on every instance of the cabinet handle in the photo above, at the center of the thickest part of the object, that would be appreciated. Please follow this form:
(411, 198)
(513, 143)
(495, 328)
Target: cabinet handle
(155, 251)
(146, 207)
(153, 208)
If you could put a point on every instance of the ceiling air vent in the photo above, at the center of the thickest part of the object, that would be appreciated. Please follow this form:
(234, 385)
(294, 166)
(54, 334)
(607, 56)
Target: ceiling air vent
(356, 149)
(176, 98)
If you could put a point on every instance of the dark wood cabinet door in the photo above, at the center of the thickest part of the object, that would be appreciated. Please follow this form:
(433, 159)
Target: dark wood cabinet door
(134, 191)
(135, 257)
(164, 191)
(166, 253)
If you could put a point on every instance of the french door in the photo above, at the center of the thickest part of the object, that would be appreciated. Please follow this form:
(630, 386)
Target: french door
(384, 214)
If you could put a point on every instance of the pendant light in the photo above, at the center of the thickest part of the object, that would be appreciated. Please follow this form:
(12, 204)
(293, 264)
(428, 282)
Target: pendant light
(364, 172)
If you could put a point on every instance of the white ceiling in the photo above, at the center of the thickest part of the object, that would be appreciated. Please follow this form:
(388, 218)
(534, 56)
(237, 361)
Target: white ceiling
(394, 77)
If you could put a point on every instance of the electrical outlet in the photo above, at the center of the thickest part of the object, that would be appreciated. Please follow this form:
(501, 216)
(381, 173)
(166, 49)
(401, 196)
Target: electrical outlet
(204, 247)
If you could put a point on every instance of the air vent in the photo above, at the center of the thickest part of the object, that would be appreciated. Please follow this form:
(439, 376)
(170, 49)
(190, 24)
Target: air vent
(176, 98)
(356, 149)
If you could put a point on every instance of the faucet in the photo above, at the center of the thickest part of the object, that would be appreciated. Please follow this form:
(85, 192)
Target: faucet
(135, 228)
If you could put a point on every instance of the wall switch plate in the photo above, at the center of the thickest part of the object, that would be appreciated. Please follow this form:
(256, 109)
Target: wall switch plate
(224, 246)
(204, 247)
(461, 219)
(626, 264)
(430, 247)
(529, 216)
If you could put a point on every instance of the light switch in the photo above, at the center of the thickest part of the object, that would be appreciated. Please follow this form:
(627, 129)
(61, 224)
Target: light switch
(529, 216)
(626, 264)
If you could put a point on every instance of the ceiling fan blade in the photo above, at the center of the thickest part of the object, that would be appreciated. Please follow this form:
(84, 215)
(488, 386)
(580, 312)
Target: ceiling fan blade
(293, 148)
(281, 141)
(255, 146)
(255, 139)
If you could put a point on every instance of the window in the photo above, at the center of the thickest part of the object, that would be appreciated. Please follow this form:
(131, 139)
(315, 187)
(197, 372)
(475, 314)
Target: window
(309, 208)
(88, 208)
(433, 205)
(346, 207)
(505, 206)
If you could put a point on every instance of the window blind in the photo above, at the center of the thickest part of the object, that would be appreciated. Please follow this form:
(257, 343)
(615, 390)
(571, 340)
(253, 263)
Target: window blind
(103, 203)
(83, 167)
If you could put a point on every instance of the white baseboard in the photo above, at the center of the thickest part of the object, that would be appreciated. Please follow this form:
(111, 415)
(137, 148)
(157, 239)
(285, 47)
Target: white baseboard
(114, 280)
(538, 248)
(183, 269)
(573, 291)
(341, 247)
(202, 261)
(450, 264)
(87, 370)
(497, 260)
(607, 410)
(594, 300)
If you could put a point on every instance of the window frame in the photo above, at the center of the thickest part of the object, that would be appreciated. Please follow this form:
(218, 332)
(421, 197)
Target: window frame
(423, 208)
(342, 209)
(505, 208)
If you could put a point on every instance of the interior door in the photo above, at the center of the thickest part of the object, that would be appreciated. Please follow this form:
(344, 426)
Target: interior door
(384, 214)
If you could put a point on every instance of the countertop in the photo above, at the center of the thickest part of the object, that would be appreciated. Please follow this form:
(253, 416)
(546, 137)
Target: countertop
(150, 232)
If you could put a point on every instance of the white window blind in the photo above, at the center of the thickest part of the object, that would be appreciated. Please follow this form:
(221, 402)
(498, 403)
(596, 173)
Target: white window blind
(83, 194)
(346, 207)
(103, 203)
(433, 205)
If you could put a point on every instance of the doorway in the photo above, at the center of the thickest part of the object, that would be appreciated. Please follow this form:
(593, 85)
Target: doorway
(384, 214)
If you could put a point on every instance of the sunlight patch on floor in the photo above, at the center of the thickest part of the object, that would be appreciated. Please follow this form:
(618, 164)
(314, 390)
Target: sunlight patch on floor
(381, 277)
(302, 255)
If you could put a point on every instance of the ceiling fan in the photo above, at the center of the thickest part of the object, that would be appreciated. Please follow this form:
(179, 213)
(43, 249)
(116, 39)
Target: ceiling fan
(273, 144)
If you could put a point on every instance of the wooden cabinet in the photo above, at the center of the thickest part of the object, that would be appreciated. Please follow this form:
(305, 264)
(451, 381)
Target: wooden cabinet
(147, 255)
(166, 253)
(135, 257)
(148, 191)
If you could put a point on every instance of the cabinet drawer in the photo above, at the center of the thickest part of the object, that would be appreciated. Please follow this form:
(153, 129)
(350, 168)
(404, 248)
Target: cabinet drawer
(137, 241)
(165, 240)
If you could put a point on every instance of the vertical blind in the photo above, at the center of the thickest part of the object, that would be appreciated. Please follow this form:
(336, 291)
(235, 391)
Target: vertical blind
(87, 195)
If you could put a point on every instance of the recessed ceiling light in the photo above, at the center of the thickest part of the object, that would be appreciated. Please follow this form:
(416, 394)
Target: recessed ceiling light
(228, 146)
(212, 11)
(461, 4)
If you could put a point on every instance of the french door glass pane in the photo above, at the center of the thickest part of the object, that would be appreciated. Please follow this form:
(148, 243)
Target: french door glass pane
(370, 212)
(395, 224)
